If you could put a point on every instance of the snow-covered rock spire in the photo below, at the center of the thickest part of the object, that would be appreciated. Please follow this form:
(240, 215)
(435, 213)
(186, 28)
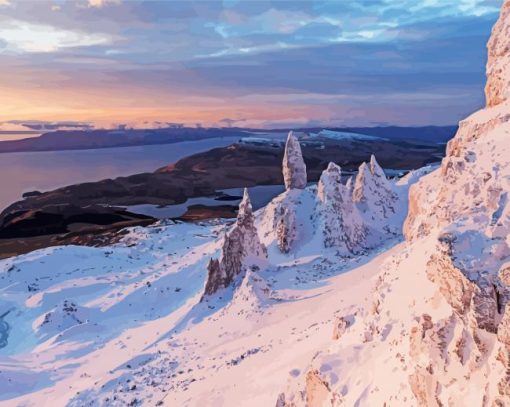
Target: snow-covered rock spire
(360, 184)
(342, 225)
(377, 171)
(241, 250)
(294, 167)
(330, 185)
(245, 213)
(372, 190)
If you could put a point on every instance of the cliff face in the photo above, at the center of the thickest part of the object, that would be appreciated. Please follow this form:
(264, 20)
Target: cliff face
(463, 207)
(497, 89)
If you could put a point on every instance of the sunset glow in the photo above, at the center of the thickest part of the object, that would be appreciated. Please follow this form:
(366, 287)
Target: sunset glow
(112, 62)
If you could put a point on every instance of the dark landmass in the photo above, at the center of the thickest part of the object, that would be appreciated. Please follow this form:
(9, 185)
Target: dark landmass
(63, 218)
(93, 139)
(75, 213)
(20, 132)
(204, 212)
(81, 234)
(81, 139)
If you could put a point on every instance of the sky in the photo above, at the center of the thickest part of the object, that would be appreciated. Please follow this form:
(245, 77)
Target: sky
(266, 64)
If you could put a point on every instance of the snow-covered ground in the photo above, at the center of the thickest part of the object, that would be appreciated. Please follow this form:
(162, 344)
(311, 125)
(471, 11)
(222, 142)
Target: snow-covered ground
(124, 324)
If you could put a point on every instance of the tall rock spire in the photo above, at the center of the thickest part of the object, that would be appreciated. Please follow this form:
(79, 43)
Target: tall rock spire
(245, 213)
(377, 171)
(360, 184)
(241, 250)
(294, 168)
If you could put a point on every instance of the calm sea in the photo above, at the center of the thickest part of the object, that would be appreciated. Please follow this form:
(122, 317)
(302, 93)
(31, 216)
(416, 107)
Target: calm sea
(43, 171)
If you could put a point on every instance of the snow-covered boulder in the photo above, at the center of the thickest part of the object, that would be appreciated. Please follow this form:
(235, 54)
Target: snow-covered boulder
(341, 223)
(294, 167)
(241, 249)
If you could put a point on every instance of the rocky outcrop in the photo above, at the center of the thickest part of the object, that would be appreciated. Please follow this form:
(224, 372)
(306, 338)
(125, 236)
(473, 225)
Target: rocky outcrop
(372, 191)
(294, 168)
(317, 393)
(473, 181)
(340, 326)
(497, 89)
(286, 228)
(241, 249)
(345, 224)
(341, 225)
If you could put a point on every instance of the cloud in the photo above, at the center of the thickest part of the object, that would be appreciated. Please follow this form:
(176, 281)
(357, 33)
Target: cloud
(102, 3)
(265, 61)
(42, 125)
(27, 37)
(7, 126)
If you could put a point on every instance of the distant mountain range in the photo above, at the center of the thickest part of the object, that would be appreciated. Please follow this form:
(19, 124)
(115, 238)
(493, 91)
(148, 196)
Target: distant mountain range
(94, 139)
(434, 134)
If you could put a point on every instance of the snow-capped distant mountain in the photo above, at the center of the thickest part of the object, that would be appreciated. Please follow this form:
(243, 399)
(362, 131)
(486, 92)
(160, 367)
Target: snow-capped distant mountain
(327, 134)
(342, 135)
